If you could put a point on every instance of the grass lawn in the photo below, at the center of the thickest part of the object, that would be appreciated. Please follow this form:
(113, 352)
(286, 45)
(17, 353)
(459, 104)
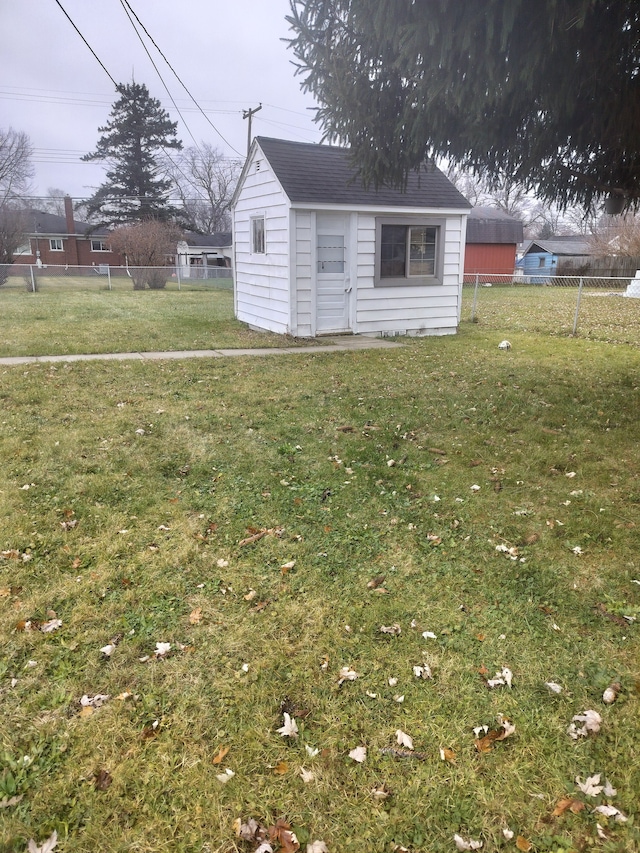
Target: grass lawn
(484, 502)
(67, 321)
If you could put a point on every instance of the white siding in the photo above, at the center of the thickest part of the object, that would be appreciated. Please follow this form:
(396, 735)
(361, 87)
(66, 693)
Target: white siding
(262, 280)
(304, 236)
(415, 309)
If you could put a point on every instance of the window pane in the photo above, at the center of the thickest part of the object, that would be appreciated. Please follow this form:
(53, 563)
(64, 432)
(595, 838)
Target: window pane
(393, 251)
(422, 250)
(257, 236)
(331, 253)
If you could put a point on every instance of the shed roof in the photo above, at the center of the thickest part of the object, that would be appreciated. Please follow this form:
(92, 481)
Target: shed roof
(220, 240)
(324, 174)
(490, 225)
(574, 244)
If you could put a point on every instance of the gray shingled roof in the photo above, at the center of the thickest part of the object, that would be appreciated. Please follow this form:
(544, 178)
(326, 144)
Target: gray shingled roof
(50, 223)
(570, 245)
(323, 174)
(221, 240)
(490, 225)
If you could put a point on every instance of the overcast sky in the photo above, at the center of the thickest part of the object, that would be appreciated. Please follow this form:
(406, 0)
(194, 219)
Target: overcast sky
(228, 53)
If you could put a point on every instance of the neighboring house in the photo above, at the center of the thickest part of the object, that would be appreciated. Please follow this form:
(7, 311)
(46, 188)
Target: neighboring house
(317, 253)
(204, 255)
(543, 259)
(62, 241)
(491, 243)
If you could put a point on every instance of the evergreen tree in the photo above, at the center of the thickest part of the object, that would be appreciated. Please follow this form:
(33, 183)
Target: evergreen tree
(137, 131)
(547, 91)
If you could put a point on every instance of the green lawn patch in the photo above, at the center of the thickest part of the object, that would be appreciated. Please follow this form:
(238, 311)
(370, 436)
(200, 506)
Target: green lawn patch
(487, 498)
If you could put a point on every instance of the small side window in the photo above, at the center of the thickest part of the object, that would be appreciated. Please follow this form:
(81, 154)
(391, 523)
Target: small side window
(257, 235)
(55, 244)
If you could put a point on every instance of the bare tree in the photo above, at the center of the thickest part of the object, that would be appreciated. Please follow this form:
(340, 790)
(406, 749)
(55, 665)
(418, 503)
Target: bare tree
(14, 227)
(205, 182)
(16, 168)
(617, 235)
(53, 202)
(146, 246)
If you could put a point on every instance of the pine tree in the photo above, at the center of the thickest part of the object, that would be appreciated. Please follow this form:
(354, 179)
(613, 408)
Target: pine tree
(138, 130)
(547, 91)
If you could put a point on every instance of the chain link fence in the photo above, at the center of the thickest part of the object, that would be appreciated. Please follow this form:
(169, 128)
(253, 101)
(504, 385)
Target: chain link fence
(33, 278)
(601, 308)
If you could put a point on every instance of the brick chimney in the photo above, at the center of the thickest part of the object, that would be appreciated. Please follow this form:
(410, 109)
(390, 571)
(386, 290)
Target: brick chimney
(72, 241)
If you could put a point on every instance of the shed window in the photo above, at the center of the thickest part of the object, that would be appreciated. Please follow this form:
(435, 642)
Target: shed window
(541, 261)
(409, 252)
(55, 244)
(257, 235)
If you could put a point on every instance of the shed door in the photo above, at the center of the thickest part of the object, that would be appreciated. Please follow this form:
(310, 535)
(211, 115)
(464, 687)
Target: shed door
(332, 282)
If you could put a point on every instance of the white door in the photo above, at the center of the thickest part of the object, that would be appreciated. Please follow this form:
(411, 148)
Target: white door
(332, 282)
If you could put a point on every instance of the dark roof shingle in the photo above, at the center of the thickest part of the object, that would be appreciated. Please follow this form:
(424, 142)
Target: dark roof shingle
(490, 225)
(323, 174)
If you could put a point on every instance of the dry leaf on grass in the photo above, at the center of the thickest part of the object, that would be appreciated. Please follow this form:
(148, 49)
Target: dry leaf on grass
(359, 754)
(404, 739)
(447, 755)
(467, 844)
(523, 845)
(591, 722)
(217, 759)
(46, 847)
(505, 730)
(317, 847)
(7, 802)
(501, 678)
(394, 629)
(281, 768)
(307, 775)
(195, 617)
(611, 811)
(282, 833)
(423, 671)
(346, 674)
(225, 776)
(102, 780)
(289, 729)
(591, 786)
(568, 804)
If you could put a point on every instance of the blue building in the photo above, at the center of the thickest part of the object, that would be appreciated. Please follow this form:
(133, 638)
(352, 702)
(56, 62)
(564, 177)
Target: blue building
(544, 259)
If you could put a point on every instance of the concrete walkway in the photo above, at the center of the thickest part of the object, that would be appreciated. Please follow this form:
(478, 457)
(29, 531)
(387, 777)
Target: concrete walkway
(338, 344)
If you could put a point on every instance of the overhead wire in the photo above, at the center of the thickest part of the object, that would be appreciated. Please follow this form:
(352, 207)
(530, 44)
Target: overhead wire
(175, 73)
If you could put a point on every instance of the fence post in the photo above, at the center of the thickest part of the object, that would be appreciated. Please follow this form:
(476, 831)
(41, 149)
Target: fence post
(475, 299)
(33, 279)
(109, 276)
(178, 276)
(575, 319)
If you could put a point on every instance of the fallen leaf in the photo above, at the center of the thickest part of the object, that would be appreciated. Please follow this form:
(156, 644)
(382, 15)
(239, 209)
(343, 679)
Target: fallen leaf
(591, 786)
(423, 671)
(380, 794)
(317, 847)
(225, 776)
(464, 844)
(87, 711)
(553, 687)
(447, 755)
(485, 744)
(108, 650)
(591, 721)
(346, 674)
(523, 845)
(394, 629)
(374, 583)
(359, 754)
(46, 847)
(217, 759)
(281, 768)
(611, 811)
(404, 739)
(307, 775)
(7, 802)
(282, 832)
(289, 729)
(195, 617)
(567, 803)
(287, 567)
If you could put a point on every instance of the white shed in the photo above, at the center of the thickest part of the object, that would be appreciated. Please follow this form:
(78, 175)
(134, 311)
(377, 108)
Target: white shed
(315, 252)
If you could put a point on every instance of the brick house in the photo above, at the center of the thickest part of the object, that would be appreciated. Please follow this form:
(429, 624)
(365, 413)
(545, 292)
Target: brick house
(63, 241)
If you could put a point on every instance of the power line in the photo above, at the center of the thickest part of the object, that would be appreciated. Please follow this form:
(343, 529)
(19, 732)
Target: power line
(87, 44)
(184, 121)
(179, 80)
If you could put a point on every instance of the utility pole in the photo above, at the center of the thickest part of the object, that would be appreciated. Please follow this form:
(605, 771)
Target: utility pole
(248, 114)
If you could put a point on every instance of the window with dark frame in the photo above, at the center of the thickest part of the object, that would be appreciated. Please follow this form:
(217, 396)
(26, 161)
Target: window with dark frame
(257, 235)
(408, 252)
(99, 246)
